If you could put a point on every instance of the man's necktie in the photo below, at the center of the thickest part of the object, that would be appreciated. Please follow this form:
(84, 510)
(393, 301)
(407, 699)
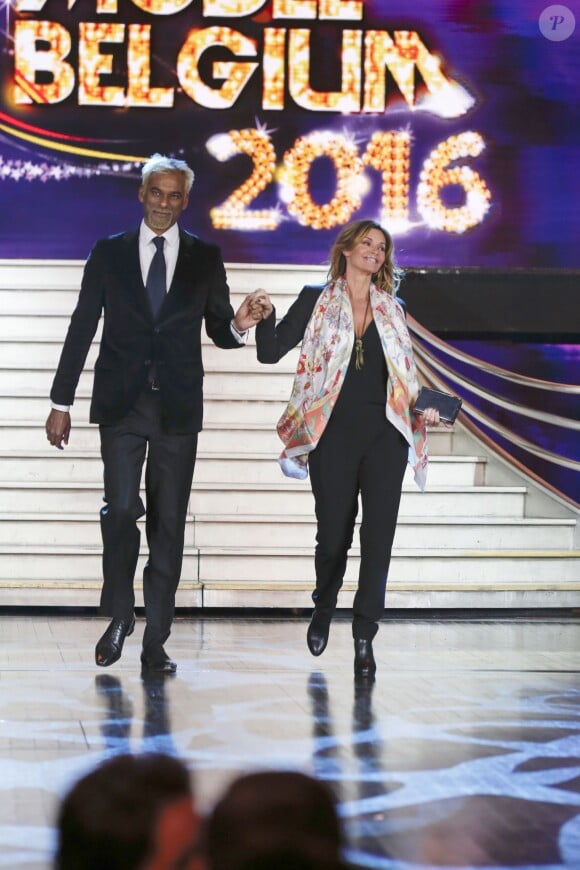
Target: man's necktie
(157, 276)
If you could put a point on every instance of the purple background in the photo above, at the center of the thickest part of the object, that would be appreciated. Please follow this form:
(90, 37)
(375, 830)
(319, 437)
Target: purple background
(527, 110)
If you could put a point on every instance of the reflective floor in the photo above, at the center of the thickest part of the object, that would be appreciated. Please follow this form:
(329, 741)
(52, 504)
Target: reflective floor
(464, 753)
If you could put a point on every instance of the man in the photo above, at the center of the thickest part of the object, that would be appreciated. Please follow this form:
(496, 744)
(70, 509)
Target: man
(155, 286)
(132, 812)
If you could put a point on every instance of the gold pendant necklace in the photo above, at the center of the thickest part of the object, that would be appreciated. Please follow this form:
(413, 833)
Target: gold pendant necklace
(359, 359)
(359, 356)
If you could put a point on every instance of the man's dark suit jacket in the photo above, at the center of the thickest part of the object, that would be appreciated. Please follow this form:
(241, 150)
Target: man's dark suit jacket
(133, 341)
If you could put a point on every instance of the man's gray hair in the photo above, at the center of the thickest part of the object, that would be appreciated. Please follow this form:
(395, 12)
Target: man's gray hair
(161, 163)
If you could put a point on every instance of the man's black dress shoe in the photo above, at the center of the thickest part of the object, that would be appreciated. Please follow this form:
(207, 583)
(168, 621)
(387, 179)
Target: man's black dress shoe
(364, 660)
(110, 646)
(155, 659)
(317, 634)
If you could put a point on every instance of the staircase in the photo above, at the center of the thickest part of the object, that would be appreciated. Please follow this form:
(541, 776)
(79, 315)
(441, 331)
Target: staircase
(478, 537)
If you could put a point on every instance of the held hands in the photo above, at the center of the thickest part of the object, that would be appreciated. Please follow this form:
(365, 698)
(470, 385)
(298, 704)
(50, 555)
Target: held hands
(57, 428)
(261, 305)
(255, 307)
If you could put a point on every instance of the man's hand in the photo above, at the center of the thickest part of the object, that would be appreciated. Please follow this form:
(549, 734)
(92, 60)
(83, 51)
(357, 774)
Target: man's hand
(255, 307)
(58, 428)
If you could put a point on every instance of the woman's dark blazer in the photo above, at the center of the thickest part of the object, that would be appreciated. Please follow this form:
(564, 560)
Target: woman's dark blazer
(274, 341)
(134, 343)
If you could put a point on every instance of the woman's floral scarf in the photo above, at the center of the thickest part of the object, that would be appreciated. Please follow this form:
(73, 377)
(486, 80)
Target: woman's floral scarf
(324, 358)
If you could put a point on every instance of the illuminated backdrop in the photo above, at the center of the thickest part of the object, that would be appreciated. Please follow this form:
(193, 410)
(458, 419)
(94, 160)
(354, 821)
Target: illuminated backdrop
(454, 123)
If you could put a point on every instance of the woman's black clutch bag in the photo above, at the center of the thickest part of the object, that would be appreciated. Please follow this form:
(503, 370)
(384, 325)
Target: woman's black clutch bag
(447, 405)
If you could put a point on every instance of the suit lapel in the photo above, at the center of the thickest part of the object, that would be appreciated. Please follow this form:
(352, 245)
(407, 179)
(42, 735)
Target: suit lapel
(130, 266)
(184, 269)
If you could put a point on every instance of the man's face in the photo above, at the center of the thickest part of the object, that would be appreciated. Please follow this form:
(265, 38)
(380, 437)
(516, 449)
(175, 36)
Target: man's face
(164, 198)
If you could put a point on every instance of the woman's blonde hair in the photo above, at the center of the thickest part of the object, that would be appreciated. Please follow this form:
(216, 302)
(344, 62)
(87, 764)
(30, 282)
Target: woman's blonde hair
(388, 276)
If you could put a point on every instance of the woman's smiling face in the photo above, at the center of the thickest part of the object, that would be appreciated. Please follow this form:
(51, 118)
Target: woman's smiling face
(369, 254)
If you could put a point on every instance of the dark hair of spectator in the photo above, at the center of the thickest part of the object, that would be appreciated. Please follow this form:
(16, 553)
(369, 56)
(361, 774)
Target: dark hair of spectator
(107, 820)
(282, 819)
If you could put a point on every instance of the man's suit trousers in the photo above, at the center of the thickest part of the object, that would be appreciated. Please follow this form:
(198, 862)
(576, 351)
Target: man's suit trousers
(170, 461)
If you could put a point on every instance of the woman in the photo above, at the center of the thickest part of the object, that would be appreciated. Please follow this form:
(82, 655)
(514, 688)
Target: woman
(350, 420)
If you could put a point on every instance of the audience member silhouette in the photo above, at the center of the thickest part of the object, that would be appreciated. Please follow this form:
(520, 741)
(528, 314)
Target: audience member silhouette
(132, 812)
(274, 820)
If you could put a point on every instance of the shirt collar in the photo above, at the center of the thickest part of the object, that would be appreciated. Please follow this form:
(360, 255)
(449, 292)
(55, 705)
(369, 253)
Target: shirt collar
(146, 234)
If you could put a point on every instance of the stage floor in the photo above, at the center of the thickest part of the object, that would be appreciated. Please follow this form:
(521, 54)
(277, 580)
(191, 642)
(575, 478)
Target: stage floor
(464, 753)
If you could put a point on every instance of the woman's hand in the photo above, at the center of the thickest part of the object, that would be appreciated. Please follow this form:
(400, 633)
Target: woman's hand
(432, 418)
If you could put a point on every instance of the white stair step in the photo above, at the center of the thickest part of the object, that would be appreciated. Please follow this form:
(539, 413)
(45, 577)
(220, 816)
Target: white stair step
(52, 530)
(37, 302)
(224, 407)
(419, 566)
(24, 275)
(275, 384)
(296, 498)
(26, 355)
(15, 405)
(48, 327)
(78, 591)
(243, 468)
(275, 499)
(220, 406)
(71, 465)
(70, 563)
(50, 497)
(43, 356)
(431, 533)
(249, 532)
(22, 435)
(435, 595)
(61, 302)
(24, 592)
(293, 595)
(53, 325)
(415, 568)
(37, 356)
(234, 439)
(49, 276)
(216, 437)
